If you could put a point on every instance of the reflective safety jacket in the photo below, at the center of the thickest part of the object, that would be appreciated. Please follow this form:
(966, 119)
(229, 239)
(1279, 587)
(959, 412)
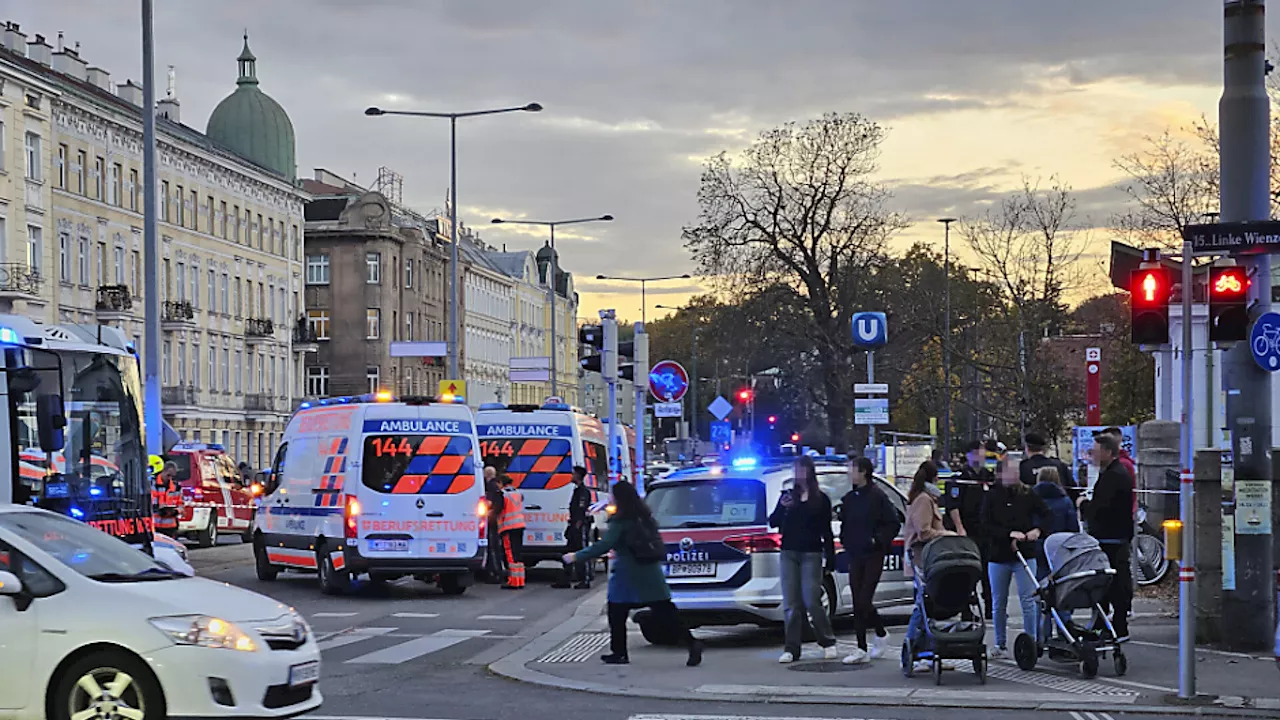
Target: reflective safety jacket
(166, 500)
(512, 517)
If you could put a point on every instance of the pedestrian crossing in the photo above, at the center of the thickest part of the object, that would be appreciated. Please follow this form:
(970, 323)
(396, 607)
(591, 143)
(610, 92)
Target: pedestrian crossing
(370, 645)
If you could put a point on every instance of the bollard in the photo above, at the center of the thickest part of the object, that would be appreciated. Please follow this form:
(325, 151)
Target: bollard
(1172, 539)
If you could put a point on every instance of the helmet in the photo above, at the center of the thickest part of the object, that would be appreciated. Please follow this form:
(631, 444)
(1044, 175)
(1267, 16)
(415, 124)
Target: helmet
(155, 464)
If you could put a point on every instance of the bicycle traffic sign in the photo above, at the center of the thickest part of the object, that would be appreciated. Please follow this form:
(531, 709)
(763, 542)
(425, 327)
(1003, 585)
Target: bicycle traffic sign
(1264, 341)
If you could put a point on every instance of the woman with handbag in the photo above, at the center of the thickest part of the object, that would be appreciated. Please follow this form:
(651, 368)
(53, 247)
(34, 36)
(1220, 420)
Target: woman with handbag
(636, 579)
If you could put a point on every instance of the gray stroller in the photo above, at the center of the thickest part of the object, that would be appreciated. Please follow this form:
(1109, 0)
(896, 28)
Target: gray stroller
(1079, 577)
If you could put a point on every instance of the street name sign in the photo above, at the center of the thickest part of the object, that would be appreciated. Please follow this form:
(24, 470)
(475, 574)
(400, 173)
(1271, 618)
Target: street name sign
(668, 410)
(1253, 238)
(871, 388)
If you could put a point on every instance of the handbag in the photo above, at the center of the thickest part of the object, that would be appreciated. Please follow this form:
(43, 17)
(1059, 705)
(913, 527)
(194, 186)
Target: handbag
(644, 542)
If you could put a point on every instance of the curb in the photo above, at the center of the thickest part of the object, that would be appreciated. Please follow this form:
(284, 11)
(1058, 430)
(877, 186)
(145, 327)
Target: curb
(514, 667)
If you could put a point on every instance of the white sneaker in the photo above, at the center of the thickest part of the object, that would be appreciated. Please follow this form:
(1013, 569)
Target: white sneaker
(829, 653)
(786, 657)
(857, 657)
(999, 653)
(878, 645)
(923, 666)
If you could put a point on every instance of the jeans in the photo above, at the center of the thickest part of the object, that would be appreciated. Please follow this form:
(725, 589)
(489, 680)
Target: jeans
(1001, 574)
(915, 626)
(864, 577)
(802, 593)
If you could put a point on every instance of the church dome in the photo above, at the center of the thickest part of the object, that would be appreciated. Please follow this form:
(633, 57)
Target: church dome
(252, 125)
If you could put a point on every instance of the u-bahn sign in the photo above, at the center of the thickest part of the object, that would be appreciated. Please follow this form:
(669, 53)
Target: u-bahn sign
(1252, 238)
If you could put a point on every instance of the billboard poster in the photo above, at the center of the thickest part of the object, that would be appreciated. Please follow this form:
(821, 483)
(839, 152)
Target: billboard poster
(1082, 443)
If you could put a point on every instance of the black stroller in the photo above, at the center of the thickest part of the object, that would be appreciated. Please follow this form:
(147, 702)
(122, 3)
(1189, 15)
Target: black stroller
(946, 582)
(1079, 576)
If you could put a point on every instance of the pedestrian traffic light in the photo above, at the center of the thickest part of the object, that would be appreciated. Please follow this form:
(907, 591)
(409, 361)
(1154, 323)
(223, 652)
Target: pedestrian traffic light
(591, 336)
(1228, 304)
(1149, 292)
(744, 395)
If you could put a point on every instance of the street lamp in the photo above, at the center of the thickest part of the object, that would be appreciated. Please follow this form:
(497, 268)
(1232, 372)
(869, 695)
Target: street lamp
(693, 375)
(453, 206)
(642, 282)
(551, 277)
(946, 338)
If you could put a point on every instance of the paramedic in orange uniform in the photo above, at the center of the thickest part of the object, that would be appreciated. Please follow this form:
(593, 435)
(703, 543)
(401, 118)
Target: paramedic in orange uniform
(165, 499)
(511, 527)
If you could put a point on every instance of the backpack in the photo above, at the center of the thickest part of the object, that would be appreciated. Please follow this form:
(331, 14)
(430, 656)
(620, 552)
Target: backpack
(644, 542)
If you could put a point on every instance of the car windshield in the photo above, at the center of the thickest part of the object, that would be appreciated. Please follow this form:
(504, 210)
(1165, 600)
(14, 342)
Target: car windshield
(87, 551)
(183, 463)
(719, 502)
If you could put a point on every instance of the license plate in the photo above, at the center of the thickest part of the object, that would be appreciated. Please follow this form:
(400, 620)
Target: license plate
(892, 563)
(690, 569)
(304, 674)
(388, 546)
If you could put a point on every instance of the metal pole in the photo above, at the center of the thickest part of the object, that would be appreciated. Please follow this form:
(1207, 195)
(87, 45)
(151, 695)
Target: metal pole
(641, 382)
(946, 340)
(153, 412)
(643, 304)
(871, 378)
(693, 386)
(1245, 124)
(551, 295)
(454, 340)
(609, 370)
(1186, 586)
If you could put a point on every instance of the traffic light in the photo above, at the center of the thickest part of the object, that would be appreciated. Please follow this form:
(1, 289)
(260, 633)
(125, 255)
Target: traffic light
(795, 437)
(744, 395)
(1149, 292)
(1228, 304)
(627, 372)
(591, 363)
(591, 336)
(773, 419)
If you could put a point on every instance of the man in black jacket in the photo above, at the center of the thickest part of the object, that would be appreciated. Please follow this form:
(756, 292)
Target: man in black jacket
(868, 524)
(1036, 459)
(963, 506)
(1109, 516)
(577, 534)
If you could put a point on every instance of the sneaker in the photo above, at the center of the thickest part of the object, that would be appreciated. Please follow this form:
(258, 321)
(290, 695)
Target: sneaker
(695, 653)
(830, 653)
(857, 657)
(786, 657)
(923, 666)
(878, 645)
(582, 586)
(612, 659)
(999, 653)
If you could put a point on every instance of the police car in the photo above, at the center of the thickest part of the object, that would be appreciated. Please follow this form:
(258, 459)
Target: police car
(723, 559)
(367, 485)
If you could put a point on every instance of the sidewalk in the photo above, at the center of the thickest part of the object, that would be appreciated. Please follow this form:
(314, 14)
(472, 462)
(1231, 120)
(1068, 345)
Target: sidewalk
(740, 664)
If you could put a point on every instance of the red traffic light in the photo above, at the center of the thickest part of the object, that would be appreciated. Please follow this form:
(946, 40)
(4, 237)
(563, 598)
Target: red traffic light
(1150, 287)
(795, 437)
(744, 395)
(773, 419)
(1228, 283)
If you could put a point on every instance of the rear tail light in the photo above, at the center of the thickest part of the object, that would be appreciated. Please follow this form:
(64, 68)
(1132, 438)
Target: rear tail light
(482, 508)
(350, 517)
(762, 542)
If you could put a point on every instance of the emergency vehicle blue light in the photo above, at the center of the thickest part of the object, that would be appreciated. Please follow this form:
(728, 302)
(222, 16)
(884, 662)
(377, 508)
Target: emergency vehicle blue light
(77, 513)
(555, 406)
(492, 406)
(304, 406)
(10, 336)
(745, 462)
(95, 491)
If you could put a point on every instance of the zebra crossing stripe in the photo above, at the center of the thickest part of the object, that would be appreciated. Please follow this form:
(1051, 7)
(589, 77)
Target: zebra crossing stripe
(416, 648)
(353, 636)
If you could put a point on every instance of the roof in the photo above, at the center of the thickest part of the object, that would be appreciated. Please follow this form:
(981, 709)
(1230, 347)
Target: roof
(326, 208)
(511, 263)
(250, 123)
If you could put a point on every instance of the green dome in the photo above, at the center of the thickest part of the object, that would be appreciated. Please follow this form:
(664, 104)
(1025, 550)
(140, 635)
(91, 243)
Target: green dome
(252, 125)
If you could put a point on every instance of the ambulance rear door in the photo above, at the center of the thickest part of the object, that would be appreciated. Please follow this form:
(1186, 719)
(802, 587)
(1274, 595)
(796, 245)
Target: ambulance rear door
(419, 483)
(537, 450)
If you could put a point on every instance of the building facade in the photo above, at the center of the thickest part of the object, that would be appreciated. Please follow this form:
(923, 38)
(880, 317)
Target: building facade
(230, 222)
(487, 307)
(566, 324)
(375, 275)
(531, 323)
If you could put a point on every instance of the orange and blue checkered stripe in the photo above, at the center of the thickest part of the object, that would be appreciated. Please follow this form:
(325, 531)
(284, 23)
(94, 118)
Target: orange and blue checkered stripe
(334, 453)
(542, 464)
(442, 465)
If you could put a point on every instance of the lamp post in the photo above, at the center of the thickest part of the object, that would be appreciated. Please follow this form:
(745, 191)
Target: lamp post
(453, 206)
(551, 278)
(642, 282)
(946, 338)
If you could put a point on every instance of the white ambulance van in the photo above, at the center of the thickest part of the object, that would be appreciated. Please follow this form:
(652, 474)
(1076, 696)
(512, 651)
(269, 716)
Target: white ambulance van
(538, 447)
(386, 489)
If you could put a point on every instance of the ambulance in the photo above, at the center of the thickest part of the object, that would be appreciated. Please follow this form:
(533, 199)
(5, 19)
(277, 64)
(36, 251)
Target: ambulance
(370, 486)
(538, 447)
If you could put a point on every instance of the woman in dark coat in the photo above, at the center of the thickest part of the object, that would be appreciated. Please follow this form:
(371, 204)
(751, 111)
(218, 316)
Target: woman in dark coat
(1011, 517)
(803, 516)
(633, 584)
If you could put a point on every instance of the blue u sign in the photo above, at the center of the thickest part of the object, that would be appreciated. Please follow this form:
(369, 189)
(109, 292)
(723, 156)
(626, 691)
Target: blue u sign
(1265, 342)
(870, 330)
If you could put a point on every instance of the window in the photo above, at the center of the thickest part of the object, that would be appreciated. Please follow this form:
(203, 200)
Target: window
(408, 273)
(261, 230)
(165, 287)
(135, 268)
(182, 282)
(261, 387)
(371, 373)
(238, 305)
(64, 257)
(395, 326)
(373, 268)
(33, 156)
(208, 209)
(317, 269)
(83, 257)
(195, 365)
(99, 177)
(195, 210)
(293, 241)
(182, 208)
(164, 200)
(2, 139)
(239, 372)
(114, 194)
(226, 307)
(62, 163)
(195, 286)
(133, 189)
(119, 258)
(248, 227)
(213, 365)
(222, 219)
(182, 363)
(213, 291)
(164, 357)
(372, 324)
(102, 263)
(226, 371)
(235, 223)
(408, 326)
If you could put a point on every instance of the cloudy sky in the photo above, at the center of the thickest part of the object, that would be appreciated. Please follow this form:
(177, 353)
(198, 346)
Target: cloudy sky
(637, 94)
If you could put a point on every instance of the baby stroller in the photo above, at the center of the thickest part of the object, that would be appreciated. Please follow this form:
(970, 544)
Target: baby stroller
(1079, 576)
(946, 583)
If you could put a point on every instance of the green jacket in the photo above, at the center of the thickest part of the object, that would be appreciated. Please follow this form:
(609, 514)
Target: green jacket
(630, 582)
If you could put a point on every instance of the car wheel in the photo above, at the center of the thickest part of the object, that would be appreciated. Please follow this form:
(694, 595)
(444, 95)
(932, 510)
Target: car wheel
(266, 571)
(208, 537)
(332, 580)
(108, 684)
(247, 535)
(452, 585)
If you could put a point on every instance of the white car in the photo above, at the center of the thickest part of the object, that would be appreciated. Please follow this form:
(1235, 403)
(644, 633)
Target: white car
(172, 554)
(92, 628)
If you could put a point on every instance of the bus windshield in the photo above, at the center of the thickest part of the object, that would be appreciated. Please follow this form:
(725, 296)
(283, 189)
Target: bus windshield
(99, 476)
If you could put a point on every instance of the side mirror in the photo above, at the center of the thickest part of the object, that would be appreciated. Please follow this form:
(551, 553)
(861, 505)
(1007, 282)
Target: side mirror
(50, 422)
(10, 584)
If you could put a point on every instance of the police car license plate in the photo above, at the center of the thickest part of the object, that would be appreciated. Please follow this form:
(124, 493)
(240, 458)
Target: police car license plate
(892, 563)
(705, 569)
(304, 674)
(388, 546)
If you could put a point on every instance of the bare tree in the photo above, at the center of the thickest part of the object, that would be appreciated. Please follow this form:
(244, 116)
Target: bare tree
(1172, 184)
(800, 210)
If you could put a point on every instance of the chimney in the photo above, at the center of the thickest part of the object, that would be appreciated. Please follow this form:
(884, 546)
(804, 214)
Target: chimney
(168, 107)
(100, 78)
(130, 93)
(14, 39)
(67, 61)
(39, 51)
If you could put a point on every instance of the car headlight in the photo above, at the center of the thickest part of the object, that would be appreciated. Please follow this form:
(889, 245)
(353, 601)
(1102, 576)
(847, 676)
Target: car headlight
(204, 631)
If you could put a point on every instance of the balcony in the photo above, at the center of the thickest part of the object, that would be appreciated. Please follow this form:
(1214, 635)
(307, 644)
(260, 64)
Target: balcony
(259, 406)
(19, 281)
(177, 315)
(114, 302)
(304, 337)
(258, 331)
(178, 396)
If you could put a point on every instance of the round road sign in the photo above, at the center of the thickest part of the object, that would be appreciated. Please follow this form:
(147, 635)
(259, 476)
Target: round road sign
(668, 381)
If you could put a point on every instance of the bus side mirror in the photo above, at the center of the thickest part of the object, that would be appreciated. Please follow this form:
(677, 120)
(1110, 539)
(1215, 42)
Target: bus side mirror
(50, 422)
